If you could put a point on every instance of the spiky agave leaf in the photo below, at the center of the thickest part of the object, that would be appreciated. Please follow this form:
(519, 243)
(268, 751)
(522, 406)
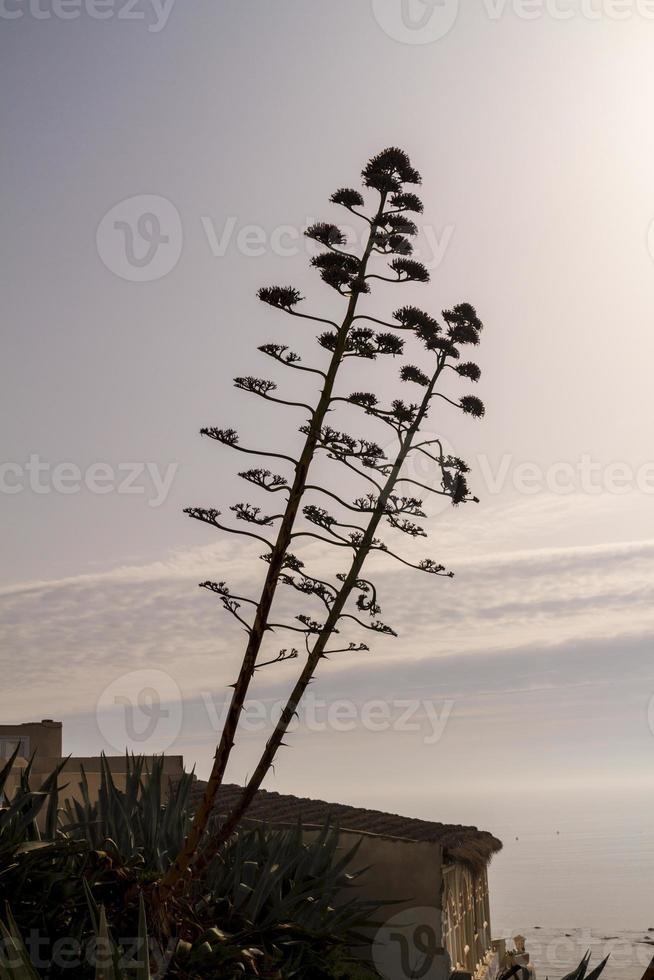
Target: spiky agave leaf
(15, 962)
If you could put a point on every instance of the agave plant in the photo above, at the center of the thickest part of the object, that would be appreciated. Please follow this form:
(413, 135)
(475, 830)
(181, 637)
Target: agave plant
(145, 823)
(107, 963)
(50, 856)
(285, 902)
(579, 973)
(19, 812)
(40, 867)
(273, 904)
(15, 963)
(271, 876)
(111, 962)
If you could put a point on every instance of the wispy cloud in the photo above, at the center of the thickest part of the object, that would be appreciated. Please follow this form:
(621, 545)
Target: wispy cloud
(66, 640)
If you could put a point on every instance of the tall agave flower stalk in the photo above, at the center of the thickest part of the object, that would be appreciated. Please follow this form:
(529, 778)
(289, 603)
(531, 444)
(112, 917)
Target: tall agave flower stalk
(390, 496)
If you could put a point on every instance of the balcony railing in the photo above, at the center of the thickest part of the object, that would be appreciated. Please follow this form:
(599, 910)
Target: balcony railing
(466, 918)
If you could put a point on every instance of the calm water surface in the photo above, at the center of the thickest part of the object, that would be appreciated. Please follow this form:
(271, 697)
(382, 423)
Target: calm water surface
(591, 885)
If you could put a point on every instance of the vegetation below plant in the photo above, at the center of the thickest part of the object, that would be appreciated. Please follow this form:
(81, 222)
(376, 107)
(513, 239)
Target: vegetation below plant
(274, 904)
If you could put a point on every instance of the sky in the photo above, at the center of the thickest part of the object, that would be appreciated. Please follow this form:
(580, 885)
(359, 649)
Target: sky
(231, 124)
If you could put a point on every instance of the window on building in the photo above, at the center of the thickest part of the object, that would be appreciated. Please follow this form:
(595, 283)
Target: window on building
(8, 746)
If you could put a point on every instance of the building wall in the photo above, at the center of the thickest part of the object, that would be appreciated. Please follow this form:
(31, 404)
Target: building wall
(45, 738)
(439, 916)
(42, 737)
(173, 770)
(406, 937)
(406, 873)
(71, 772)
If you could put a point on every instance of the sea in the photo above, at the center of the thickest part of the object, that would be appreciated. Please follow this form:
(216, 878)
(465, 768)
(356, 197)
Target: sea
(572, 879)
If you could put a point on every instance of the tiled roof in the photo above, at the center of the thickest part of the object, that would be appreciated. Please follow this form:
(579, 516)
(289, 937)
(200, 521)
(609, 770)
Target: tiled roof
(462, 845)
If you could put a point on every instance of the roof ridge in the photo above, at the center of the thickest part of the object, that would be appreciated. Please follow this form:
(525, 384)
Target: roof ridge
(462, 844)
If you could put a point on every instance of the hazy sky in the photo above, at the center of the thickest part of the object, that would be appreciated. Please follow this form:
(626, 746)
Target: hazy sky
(232, 122)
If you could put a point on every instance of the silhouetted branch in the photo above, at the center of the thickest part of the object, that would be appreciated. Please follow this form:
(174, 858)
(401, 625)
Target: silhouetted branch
(257, 386)
(230, 602)
(220, 588)
(249, 513)
(350, 199)
(406, 270)
(292, 360)
(375, 627)
(310, 586)
(219, 436)
(426, 565)
(319, 516)
(334, 496)
(281, 657)
(316, 319)
(265, 479)
(339, 543)
(355, 469)
(381, 323)
(352, 648)
(208, 516)
(469, 404)
(287, 626)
